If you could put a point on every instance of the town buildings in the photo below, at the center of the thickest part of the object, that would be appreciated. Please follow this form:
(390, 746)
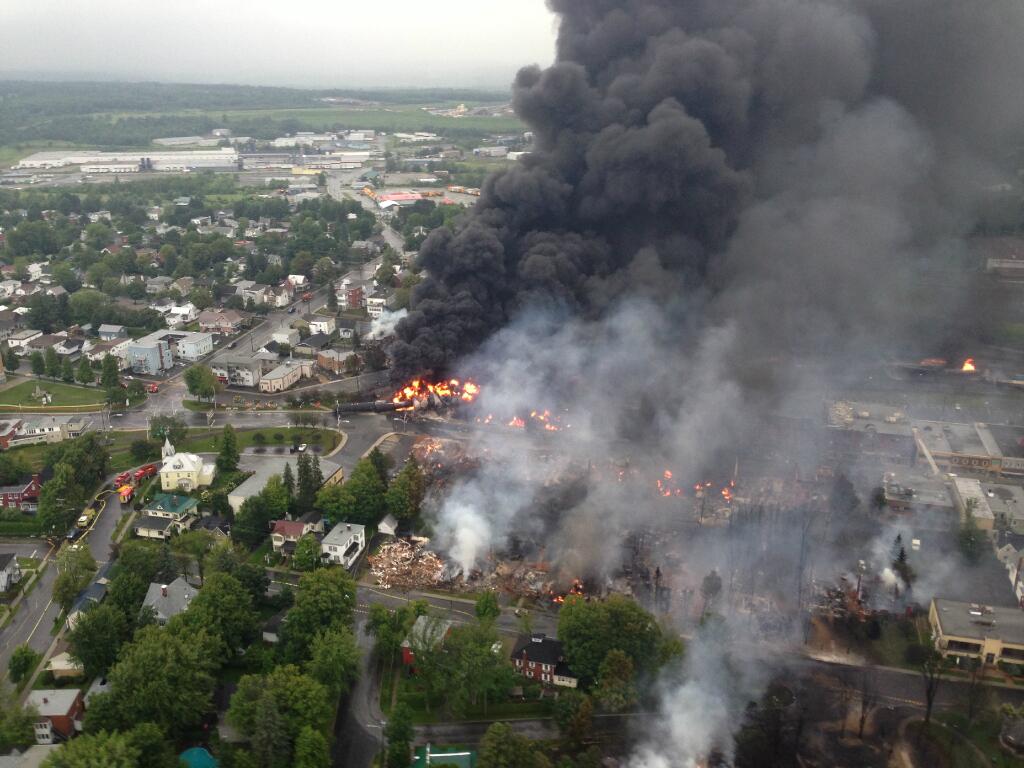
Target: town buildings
(965, 631)
(343, 545)
(539, 657)
(184, 471)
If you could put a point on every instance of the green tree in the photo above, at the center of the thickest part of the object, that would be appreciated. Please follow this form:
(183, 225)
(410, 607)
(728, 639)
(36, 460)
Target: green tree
(85, 373)
(487, 608)
(16, 725)
(224, 609)
(298, 700)
(11, 360)
(110, 375)
(164, 676)
(501, 747)
(97, 637)
(311, 749)
(574, 715)
(589, 630)
(22, 663)
(332, 298)
(325, 599)
(52, 363)
(382, 465)
(334, 660)
(75, 567)
(143, 451)
(307, 553)
(399, 734)
(171, 428)
(38, 363)
(405, 494)
(67, 371)
(227, 459)
(359, 500)
(191, 547)
(109, 750)
(970, 539)
(252, 523)
(473, 672)
(288, 479)
(616, 687)
(201, 382)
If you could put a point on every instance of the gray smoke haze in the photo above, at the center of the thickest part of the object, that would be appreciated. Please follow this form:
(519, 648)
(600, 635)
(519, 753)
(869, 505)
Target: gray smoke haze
(716, 186)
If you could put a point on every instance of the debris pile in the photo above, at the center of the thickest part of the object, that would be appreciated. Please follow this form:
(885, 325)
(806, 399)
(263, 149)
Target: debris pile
(406, 565)
(524, 579)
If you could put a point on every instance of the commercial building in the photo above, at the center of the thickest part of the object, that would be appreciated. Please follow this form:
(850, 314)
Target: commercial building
(159, 161)
(268, 467)
(343, 544)
(148, 356)
(870, 432)
(966, 631)
(285, 376)
(238, 370)
(333, 360)
(50, 429)
(992, 505)
(909, 489)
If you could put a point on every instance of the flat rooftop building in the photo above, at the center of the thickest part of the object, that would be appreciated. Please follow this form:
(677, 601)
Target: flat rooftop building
(974, 631)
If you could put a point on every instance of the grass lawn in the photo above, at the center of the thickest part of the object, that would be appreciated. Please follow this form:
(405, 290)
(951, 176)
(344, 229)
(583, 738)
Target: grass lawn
(208, 441)
(411, 694)
(258, 555)
(67, 396)
(12, 153)
(120, 442)
(984, 734)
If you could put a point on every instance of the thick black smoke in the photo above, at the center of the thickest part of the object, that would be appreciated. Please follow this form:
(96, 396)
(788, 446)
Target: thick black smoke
(796, 163)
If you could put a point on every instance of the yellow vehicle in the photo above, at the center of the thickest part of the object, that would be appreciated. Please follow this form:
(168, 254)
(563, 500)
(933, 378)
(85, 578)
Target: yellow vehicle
(86, 518)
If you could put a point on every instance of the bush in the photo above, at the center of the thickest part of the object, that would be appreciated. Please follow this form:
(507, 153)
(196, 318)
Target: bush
(259, 438)
(278, 437)
(316, 437)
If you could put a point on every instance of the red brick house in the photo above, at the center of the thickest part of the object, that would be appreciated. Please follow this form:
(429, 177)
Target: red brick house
(540, 658)
(23, 496)
(60, 714)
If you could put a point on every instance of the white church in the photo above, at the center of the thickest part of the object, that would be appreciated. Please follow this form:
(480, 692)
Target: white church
(184, 471)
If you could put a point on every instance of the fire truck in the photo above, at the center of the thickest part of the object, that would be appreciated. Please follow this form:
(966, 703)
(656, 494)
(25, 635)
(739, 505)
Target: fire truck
(307, 296)
(143, 472)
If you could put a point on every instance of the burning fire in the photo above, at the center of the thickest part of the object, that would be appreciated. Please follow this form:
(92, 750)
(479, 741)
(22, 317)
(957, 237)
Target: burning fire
(575, 589)
(418, 390)
(968, 365)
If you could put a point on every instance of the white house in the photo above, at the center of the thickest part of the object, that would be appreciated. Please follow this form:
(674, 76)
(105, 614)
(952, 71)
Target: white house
(324, 324)
(181, 314)
(184, 471)
(289, 336)
(343, 544)
(195, 346)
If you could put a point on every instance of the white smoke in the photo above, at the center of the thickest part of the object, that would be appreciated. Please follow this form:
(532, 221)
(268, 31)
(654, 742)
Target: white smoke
(384, 326)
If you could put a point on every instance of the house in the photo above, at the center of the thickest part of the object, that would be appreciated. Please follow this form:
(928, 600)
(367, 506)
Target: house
(216, 526)
(19, 340)
(289, 336)
(343, 544)
(321, 324)
(157, 285)
(427, 632)
(184, 471)
(346, 328)
(168, 600)
(166, 514)
(43, 342)
(181, 314)
(23, 496)
(965, 631)
(109, 332)
(286, 533)
(10, 571)
(64, 667)
(333, 360)
(100, 349)
(267, 468)
(285, 376)
(184, 285)
(388, 526)
(223, 321)
(279, 297)
(313, 344)
(540, 658)
(298, 281)
(91, 596)
(8, 429)
(50, 429)
(194, 346)
(148, 356)
(379, 303)
(250, 291)
(59, 714)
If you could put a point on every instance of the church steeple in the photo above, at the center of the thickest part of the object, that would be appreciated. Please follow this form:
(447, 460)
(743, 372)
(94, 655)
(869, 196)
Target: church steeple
(168, 449)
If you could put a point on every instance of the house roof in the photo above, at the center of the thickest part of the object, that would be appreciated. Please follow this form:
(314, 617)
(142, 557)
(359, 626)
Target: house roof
(150, 523)
(52, 702)
(183, 462)
(173, 503)
(316, 341)
(342, 533)
(978, 621)
(431, 629)
(6, 558)
(179, 592)
(289, 528)
(538, 647)
(108, 328)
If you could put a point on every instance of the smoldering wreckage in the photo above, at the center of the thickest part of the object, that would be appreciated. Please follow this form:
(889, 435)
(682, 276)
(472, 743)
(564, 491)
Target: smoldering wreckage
(728, 206)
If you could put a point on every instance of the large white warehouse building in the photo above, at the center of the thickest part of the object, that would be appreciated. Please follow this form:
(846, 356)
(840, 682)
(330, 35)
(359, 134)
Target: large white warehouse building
(161, 160)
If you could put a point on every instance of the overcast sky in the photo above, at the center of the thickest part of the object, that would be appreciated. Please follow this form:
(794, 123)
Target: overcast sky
(314, 43)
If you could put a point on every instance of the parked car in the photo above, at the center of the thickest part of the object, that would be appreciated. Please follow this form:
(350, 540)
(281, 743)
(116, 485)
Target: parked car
(302, 448)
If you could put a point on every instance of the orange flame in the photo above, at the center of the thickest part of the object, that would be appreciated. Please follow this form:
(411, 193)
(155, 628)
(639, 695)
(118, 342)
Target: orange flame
(452, 389)
(968, 365)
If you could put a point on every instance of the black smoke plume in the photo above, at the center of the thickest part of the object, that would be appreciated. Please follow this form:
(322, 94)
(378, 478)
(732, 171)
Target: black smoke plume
(801, 166)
